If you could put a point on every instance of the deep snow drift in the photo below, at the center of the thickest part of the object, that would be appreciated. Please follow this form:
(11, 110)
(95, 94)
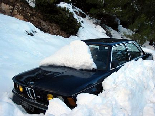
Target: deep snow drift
(130, 91)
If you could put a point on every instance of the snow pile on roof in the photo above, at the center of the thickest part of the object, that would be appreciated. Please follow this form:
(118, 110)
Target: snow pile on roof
(76, 55)
(130, 91)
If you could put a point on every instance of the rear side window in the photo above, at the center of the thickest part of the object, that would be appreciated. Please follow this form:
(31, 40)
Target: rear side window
(133, 51)
(100, 55)
(119, 55)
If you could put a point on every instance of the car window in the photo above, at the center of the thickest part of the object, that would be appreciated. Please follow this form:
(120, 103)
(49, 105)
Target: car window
(133, 51)
(119, 55)
(100, 55)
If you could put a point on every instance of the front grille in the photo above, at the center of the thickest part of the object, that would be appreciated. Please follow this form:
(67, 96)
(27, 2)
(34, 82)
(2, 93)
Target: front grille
(36, 94)
(33, 93)
(27, 92)
(30, 93)
(41, 96)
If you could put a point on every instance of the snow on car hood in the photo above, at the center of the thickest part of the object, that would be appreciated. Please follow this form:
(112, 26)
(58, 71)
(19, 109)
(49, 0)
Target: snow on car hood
(76, 55)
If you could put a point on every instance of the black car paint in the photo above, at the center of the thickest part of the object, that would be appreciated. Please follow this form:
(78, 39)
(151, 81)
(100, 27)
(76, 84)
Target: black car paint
(65, 81)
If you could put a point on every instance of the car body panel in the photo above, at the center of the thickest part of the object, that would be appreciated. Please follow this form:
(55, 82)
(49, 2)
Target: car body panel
(61, 80)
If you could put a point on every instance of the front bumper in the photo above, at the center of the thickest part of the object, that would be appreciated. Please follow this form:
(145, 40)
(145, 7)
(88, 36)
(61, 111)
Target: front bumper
(21, 100)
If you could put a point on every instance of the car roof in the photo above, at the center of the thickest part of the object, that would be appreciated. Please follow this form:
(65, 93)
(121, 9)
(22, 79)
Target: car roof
(106, 41)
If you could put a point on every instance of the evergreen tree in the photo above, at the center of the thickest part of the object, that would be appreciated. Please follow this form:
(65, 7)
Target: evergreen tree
(58, 15)
(136, 15)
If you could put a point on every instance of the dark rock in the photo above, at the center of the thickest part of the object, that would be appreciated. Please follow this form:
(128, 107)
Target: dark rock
(20, 9)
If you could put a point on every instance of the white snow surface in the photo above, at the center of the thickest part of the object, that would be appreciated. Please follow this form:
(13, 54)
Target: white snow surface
(127, 92)
(121, 33)
(151, 51)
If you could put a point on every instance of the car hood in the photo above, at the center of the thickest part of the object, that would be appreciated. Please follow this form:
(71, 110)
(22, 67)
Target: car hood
(60, 80)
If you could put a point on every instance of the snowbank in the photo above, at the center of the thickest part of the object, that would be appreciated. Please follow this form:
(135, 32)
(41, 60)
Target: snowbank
(8, 108)
(151, 51)
(76, 55)
(56, 107)
(130, 91)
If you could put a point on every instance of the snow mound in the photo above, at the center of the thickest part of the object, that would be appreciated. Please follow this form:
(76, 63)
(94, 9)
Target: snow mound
(76, 55)
(131, 89)
(127, 92)
(56, 107)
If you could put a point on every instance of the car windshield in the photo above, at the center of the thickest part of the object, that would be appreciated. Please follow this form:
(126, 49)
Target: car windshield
(100, 55)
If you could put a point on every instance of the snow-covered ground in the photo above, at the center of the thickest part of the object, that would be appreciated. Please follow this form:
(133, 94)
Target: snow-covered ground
(130, 91)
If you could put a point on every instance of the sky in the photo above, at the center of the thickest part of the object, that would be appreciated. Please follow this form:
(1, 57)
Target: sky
(128, 92)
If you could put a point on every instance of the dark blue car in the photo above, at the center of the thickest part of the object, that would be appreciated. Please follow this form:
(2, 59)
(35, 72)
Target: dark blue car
(33, 89)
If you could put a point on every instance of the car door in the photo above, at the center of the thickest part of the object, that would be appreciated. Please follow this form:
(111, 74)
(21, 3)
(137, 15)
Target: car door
(135, 52)
(119, 56)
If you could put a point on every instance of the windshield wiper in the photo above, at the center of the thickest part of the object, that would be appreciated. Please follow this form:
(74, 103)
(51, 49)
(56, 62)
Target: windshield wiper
(93, 69)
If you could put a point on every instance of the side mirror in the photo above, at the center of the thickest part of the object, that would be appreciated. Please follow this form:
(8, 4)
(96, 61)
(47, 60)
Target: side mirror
(114, 64)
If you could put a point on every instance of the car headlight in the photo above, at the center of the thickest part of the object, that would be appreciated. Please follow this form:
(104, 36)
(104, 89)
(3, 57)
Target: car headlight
(49, 96)
(20, 88)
